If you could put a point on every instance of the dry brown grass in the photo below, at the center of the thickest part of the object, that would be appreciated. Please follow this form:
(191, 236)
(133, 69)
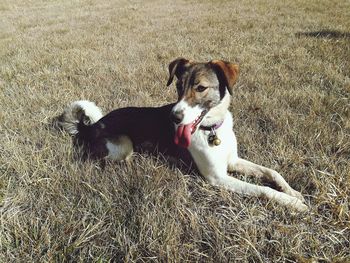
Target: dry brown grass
(291, 111)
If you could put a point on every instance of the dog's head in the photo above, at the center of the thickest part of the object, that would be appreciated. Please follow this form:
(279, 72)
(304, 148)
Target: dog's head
(200, 87)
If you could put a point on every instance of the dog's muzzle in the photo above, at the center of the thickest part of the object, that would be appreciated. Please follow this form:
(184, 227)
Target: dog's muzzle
(183, 132)
(177, 116)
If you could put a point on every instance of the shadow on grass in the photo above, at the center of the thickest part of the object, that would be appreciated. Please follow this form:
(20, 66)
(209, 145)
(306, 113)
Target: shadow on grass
(324, 34)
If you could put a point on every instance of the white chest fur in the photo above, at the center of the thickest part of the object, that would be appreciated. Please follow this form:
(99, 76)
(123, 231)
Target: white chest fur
(210, 158)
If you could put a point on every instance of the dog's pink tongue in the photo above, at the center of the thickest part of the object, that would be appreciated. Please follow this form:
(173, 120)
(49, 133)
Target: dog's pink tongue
(183, 135)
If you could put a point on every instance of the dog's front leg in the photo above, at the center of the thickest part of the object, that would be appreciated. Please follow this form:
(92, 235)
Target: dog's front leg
(238, 186)
(215, 171)
(252, 169)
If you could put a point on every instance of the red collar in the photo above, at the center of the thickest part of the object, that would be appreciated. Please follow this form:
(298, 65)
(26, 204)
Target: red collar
(213, 127)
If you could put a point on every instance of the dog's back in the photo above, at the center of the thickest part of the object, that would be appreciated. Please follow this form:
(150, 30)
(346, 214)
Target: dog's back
(121, 131)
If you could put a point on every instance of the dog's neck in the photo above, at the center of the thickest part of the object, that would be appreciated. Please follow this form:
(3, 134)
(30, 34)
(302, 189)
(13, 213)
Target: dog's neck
(217, 114)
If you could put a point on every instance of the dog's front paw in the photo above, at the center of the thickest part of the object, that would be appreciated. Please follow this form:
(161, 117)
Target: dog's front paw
(296, 194)
(300, 206)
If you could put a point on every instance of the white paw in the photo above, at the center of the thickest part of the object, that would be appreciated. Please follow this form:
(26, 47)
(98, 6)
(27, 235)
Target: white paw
(298, 205)
(296, 194)
(303, 207)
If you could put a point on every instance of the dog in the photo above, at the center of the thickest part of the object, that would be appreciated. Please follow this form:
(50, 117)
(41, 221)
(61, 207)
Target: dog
(198, 125)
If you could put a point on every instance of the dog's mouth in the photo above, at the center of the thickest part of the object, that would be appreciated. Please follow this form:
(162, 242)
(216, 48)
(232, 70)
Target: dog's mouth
(183, 132)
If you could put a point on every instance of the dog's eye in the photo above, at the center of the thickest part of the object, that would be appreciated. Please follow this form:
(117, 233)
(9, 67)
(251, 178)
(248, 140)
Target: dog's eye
(201, 88)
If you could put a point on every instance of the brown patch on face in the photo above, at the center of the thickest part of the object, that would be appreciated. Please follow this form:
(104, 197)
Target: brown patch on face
(227, 73)
(193, 97)
(199, 85)
(215, 77)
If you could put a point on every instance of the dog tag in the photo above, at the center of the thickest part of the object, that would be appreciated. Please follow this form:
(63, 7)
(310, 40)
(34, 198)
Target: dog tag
(213, 138)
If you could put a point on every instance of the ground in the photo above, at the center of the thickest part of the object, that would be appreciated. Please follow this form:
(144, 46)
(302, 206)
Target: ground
(290, 108)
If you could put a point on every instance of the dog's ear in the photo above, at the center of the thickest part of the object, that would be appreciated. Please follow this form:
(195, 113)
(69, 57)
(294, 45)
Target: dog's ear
(227, 73)
(177, 67)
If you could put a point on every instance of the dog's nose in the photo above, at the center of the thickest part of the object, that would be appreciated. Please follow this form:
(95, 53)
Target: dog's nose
(177, 116)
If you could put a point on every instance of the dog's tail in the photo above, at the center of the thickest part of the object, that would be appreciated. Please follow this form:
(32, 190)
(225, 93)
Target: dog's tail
(79, 112)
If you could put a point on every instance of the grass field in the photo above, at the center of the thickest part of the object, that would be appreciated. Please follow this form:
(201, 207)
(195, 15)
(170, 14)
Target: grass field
(291, 113)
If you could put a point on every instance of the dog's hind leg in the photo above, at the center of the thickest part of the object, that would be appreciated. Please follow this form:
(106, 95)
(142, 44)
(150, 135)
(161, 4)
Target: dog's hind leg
(252, 169)
(119, 148)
